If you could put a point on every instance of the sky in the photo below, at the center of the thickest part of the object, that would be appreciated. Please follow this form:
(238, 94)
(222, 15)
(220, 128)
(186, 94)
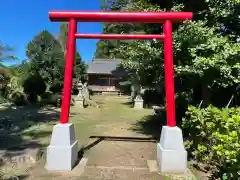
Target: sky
(21, 20)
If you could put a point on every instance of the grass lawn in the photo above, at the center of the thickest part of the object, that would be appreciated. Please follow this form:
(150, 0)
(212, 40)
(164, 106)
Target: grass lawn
(34, 124)
(114, 115)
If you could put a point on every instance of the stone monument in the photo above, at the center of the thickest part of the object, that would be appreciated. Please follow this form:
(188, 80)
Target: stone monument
(138, 101)
(79, 101)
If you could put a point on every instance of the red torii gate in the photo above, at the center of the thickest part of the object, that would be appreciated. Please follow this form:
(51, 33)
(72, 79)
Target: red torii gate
(171, 154)
(120, 17)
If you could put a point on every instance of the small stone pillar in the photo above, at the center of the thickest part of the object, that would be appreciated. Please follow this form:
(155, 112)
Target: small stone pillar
(138, 102)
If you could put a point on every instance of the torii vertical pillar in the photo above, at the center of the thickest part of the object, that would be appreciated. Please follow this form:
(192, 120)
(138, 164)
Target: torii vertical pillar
(62, 153)
(171, 155)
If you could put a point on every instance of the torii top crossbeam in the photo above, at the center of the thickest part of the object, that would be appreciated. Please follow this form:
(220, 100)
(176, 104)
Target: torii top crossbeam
(120, 17)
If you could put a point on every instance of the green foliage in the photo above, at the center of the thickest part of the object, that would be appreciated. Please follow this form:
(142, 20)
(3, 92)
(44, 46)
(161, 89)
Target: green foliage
(79, 68)
(6, 52)
(63, 36)
(46, 57)
(34, 86)
(4, 78)
(19, 98)
(214, 139)
(22, 70)
(212, 57)
(14, 91)
(49, 98)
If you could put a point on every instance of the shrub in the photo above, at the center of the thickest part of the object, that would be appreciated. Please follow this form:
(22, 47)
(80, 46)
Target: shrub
(4, 79)
(19, 98)
(34, 85)
(213, 139)
(3, 99)
(56, 87)
(14, 91)
(49, 98)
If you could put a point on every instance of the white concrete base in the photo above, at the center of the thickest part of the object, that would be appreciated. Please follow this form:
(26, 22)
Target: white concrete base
(62, 153)
(171, 154)
(138, 104)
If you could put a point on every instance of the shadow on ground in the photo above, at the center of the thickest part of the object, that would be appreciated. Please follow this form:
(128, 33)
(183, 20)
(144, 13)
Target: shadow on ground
(116, 138)
(20, 177)
(129, 104)
(150, 125)
(20, 122)
(99, 139)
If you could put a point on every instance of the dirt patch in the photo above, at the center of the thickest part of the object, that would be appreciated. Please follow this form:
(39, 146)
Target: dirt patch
(118, 174)
(119, 153)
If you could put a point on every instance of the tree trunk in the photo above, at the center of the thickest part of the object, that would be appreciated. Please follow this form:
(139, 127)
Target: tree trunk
(206, 95)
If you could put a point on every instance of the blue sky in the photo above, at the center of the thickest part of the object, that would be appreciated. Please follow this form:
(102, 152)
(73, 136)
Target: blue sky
(21, 20)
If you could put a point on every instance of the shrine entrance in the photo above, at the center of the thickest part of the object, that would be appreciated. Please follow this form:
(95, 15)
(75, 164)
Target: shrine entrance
(171, 155)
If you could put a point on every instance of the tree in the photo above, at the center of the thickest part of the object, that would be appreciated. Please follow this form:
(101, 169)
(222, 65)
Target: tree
(34, 85)
(205, 54)
(108, 49)
(79, 68)
(63, 36)
(46, 58)
(6, 52)
(4, 79)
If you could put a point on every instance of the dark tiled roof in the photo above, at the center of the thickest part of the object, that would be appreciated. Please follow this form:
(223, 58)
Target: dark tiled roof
(103, 66)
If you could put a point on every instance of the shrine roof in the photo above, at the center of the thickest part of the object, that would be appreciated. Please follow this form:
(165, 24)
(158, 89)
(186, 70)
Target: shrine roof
(103, 66)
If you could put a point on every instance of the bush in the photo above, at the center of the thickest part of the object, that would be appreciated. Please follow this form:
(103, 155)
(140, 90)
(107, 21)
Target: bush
(56, 87)
(3, 99)
(18, 98)
(34, 85)
(49, 98)
(213, 139)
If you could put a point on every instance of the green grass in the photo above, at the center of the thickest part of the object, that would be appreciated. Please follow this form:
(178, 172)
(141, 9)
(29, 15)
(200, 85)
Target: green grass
(93, 121)
(36, 125)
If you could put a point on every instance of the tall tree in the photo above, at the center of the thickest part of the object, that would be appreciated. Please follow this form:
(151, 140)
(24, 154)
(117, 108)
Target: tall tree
(46, 57)
(205, 51)
(6, 52)
(63, 36)
(106, 48)
(79, 66)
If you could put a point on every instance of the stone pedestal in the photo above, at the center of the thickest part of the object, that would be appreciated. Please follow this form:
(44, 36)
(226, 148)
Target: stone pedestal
(62, 153)
(138, 103)
(171, 154)
(79, 103)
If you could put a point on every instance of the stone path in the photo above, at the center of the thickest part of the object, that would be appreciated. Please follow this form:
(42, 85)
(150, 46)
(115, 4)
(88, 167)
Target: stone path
(112, 159)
